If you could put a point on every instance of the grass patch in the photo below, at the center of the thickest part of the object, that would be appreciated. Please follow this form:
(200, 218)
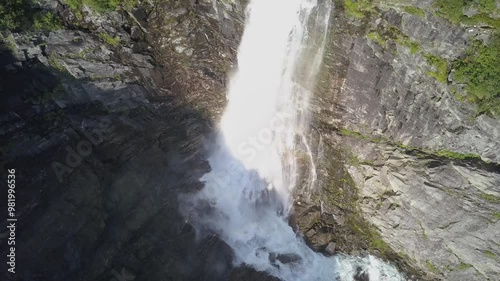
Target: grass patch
(463, 266)
(431, 267)
(453, 11)
(480, 70)
(405, 41)
(440, 65)
(377, 38)
(456, 155)
(100, 5)
(367, 232)
(113, 41)
(358, 9)
(393, 33)
(46, 21)
(415, 11)
(54, 62)
(490, 254)
(490, 198)
(350, 133)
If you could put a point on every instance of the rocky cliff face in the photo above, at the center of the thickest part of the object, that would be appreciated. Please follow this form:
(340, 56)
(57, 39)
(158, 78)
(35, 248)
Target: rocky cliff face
(423, 162)
(105, 118)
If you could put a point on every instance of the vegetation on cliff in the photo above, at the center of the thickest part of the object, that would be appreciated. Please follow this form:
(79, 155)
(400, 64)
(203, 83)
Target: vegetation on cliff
(17, 15)
(99, 5)
(453, 10)
(440, 67)
(419, 152)
(358, 8)
(480, 70)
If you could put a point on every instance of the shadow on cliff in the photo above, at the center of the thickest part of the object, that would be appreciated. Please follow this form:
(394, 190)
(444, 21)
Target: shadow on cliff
(97, 180)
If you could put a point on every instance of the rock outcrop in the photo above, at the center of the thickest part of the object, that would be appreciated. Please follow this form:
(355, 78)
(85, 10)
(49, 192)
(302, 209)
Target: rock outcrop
(420, 164)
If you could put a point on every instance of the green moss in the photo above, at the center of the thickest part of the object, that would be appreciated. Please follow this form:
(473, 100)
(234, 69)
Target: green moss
(463, 266)
(480, 69)
(431, 267)
(354, 161)
(367, 232)
(113, 41)
(414, 11)
(490, 198)
(358, 8)
(377, 38)
(346, 132)
(414, 47)
(405, 41)
(368, 162)
(343, 194)
(393, 33)
(418, 151)
(456, 155)
(490, 254)
(440, 65)
(496, 215)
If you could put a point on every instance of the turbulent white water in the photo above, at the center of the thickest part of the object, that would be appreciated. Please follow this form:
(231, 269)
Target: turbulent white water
(246, 198)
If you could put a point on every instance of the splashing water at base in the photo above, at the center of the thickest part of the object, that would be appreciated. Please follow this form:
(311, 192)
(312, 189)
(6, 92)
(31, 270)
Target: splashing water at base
(246, 198)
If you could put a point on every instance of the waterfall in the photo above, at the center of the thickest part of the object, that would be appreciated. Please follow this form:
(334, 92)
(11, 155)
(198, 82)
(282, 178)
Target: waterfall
(247, 193)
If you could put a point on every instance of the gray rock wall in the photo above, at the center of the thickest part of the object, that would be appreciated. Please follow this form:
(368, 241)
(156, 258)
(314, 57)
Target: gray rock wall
(101, 124)
(425, 167)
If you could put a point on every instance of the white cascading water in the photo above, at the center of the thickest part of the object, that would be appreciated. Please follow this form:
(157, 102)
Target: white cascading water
(247, 194)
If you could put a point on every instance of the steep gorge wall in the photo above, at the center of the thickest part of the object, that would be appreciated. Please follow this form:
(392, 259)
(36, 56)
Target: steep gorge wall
(418, 163)
(103, 113)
